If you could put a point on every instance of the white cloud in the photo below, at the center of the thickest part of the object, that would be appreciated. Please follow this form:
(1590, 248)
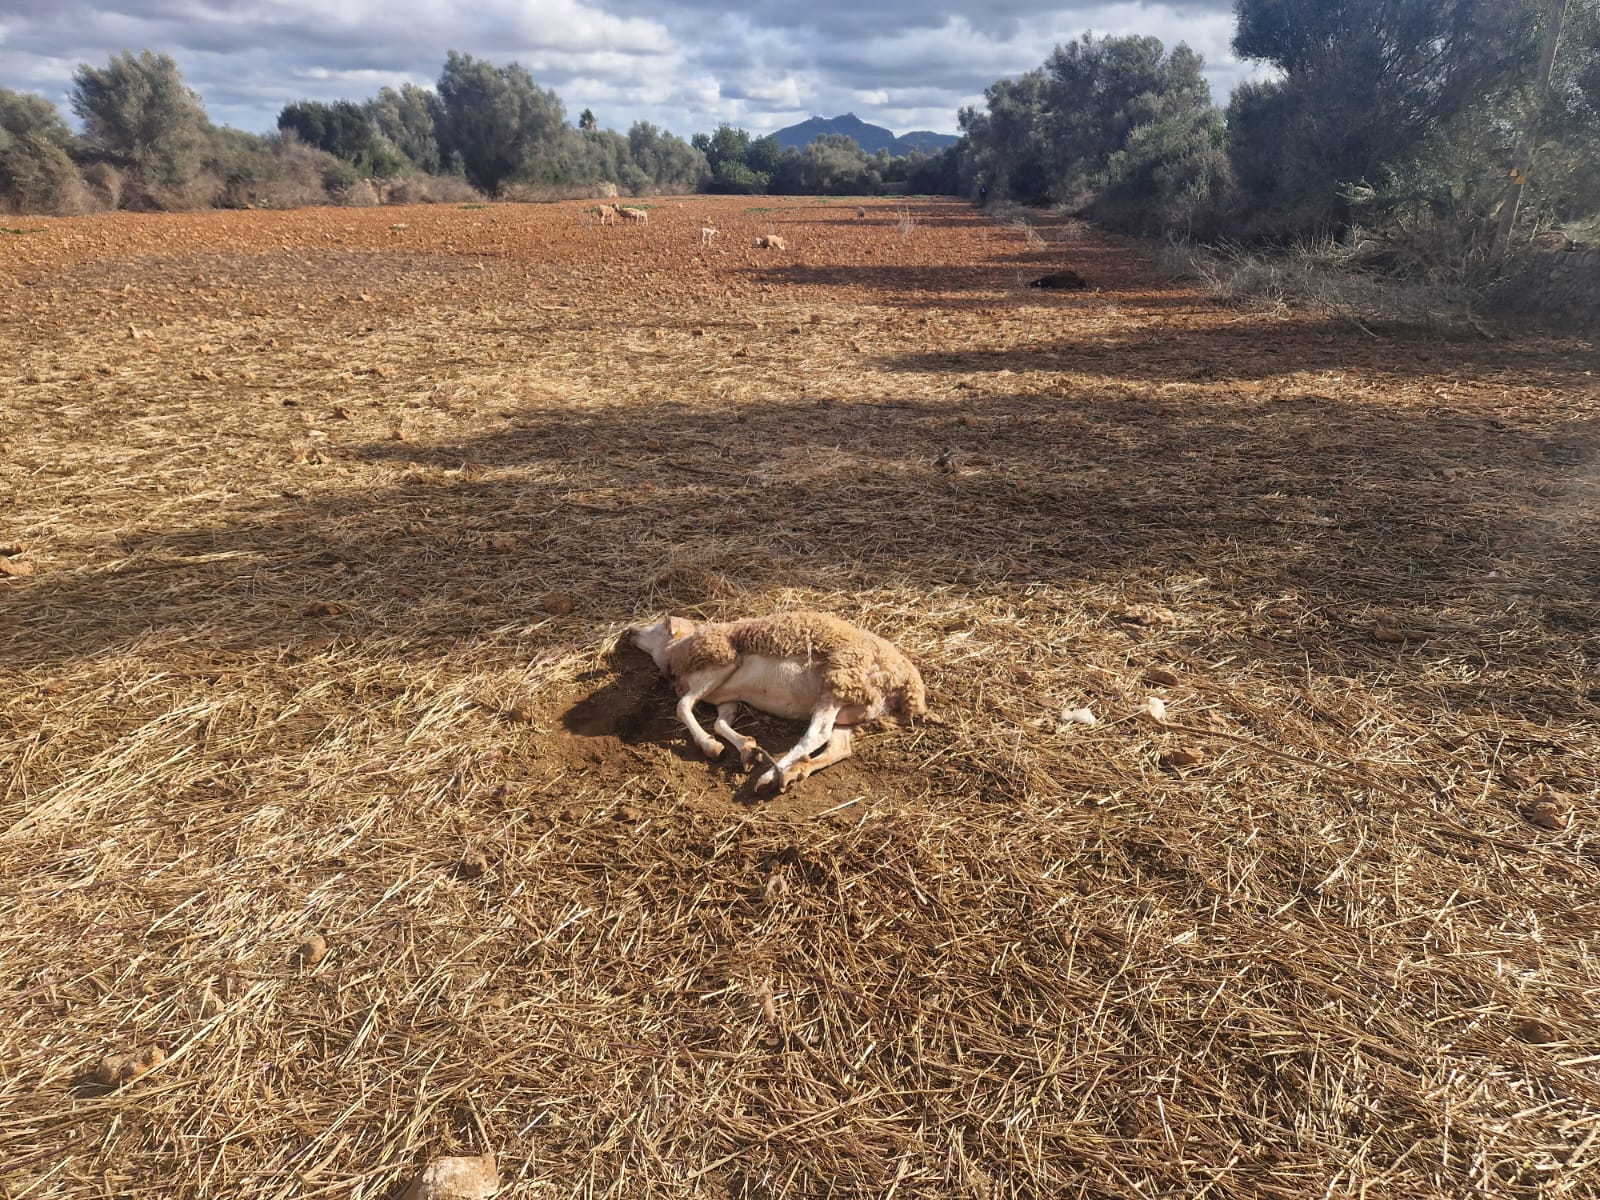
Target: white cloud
(687, 65)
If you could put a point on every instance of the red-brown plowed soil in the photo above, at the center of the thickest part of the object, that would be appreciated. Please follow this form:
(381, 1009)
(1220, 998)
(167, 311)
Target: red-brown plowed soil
(317, 531)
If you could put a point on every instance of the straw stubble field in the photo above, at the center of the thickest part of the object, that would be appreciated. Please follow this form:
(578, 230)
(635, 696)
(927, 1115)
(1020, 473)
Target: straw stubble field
(323, 772)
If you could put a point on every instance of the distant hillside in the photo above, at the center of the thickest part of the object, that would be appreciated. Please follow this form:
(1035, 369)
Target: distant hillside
(870, 138)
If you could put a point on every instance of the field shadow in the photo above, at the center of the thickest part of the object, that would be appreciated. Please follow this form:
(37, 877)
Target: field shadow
(622, 511)
(1172, 353)
(628, 703)
(1104, 268)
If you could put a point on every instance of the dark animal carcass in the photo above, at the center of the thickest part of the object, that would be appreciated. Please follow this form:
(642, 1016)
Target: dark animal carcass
(1065, 280)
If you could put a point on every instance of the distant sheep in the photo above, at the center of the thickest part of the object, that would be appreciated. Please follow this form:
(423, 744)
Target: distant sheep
(799, 665)
(706, 235)
(861, 213)
(638, 216)
(606, 212)
(770, 241)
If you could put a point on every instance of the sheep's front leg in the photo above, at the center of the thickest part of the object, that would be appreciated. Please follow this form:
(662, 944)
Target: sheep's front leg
(749, 752)
(709, 746)
(817, 735)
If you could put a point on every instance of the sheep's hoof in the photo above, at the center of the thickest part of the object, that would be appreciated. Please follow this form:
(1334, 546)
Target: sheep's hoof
(772, 781)
(712, 750)
(753, 756)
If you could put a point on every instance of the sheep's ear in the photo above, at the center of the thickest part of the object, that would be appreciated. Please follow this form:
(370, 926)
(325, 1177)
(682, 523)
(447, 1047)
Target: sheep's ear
(677, 627)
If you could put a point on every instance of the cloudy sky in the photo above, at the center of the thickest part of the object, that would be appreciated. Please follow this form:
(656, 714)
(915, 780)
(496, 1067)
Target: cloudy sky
(684, 64)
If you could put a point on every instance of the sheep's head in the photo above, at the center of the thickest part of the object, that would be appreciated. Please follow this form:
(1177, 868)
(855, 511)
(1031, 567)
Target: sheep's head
(655, 638)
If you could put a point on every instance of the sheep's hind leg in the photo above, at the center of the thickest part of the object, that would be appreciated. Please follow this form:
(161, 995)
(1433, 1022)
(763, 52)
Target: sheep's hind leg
(749, 752)
(838, 747)
(817, 735)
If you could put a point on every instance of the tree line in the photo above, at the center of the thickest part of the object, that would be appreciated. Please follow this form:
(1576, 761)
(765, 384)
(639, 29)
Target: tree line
(485, 129)
(832, 165)
(1398, 113)
(488, 129)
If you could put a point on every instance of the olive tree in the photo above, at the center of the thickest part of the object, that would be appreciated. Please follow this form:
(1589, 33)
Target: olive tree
(36, 167)
(138, 114)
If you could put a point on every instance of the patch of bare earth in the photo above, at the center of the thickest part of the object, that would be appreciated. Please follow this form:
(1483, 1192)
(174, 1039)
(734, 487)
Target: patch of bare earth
(334, 817)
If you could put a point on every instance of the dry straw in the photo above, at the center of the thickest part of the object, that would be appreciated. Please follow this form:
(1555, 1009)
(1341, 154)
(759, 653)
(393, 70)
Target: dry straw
(329, 797)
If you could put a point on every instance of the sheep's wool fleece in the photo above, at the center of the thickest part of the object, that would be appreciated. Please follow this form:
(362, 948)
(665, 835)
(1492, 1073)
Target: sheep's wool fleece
(858, 667)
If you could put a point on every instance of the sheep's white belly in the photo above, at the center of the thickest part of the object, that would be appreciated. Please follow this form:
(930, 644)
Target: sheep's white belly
(774, 685)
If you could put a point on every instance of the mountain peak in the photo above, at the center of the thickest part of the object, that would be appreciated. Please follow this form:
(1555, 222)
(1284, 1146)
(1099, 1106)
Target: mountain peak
(870, 138)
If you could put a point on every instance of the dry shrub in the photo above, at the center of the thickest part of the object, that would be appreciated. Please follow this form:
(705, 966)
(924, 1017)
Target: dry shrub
(106, 183)
(1063, 226)
(71, 197)
(363, 193)
(203, 190)
(298, 181)
(78, 199)
(432, 189)
(1029, 233)
(547, 193)
(1325, 278)
(1559, 288)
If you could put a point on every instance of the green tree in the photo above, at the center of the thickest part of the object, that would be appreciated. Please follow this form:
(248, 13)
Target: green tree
(345, 130)
(36, 168)
(1117, 127)
(936, 174)
(499, 122)
(764, 155)
(1368, 88)
(1563, 168)
(1008, 139)
(1099, 91)
(138, 114)
(406, 119)
(786, 176)
(834, 164)
(669, 162)
(608, 155)
(1171, 175)
(727, 152)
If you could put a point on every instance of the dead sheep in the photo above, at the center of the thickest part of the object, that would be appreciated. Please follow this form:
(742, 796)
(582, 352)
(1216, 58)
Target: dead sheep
(799, 665)
(770, 241)
(1068, 280)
